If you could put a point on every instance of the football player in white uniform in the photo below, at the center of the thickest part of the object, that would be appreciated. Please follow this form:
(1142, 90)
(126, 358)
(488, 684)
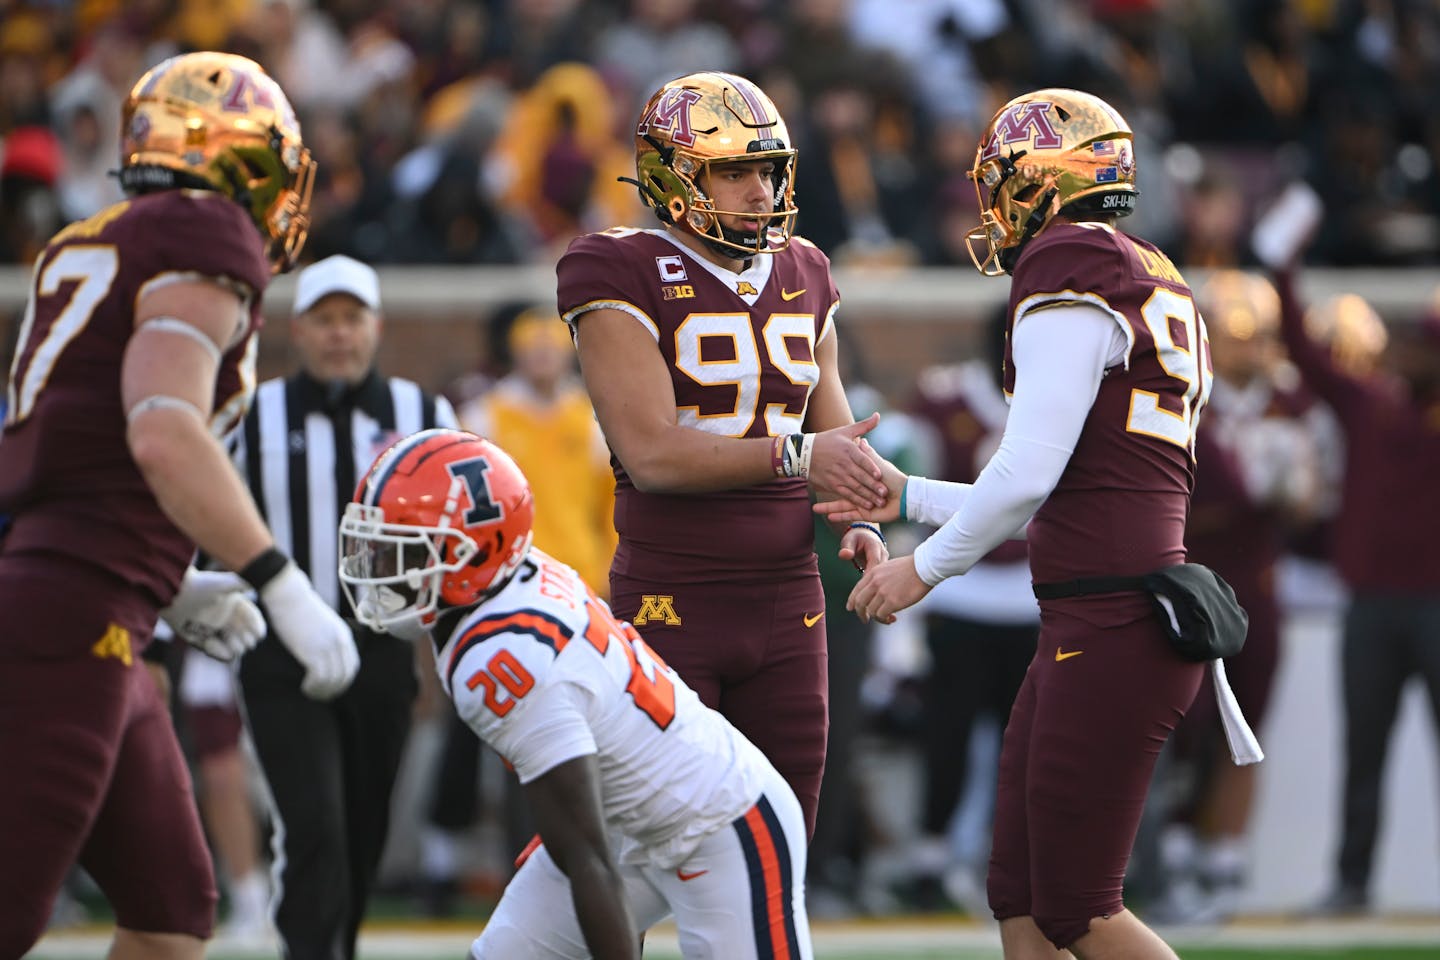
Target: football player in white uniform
(648, 803)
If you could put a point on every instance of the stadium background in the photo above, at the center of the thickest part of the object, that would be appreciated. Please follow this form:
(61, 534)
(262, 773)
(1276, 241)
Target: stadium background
(463, 143)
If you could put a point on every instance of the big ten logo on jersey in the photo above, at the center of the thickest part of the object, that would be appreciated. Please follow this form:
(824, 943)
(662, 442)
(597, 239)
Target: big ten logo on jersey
(678, 291)
(658, 608)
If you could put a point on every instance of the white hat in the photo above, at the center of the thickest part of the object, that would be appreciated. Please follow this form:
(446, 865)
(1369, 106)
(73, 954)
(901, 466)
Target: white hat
(337, 274)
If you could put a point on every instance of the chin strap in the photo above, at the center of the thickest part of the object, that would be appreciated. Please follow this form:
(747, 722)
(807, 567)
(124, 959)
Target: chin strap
(1033, 223)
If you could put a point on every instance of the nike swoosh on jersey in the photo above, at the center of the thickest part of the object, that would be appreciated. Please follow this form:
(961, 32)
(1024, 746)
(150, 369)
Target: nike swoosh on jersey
(811, 621)
(1066, 656)
(788, 295)
(686, 877)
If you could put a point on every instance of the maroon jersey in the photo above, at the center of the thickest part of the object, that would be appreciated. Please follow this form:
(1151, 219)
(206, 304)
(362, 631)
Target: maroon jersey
(1120, 506)
(741, 353)
(66, 474)
(1384, 533)
(965, 406)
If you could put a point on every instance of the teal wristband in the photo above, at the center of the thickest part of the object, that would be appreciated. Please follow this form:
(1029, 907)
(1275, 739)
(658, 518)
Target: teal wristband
(904, 492)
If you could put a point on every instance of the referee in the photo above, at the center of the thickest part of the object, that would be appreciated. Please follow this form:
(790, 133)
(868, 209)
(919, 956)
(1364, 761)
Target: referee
(330, 765)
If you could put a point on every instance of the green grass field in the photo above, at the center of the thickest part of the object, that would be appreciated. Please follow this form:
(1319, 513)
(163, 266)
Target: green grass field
(923, 939)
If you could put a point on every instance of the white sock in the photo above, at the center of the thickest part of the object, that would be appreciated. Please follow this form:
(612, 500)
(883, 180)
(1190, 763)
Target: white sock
(250, 896)
(1224, 859)
(437, 854)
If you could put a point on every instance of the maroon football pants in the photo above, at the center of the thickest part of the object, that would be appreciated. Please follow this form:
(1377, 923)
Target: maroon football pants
(754, 651)
(1101, 697)
(93, 773)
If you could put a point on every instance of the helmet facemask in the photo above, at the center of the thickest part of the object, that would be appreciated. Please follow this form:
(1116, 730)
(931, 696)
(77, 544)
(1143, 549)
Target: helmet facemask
(393, 573)
(695, 123)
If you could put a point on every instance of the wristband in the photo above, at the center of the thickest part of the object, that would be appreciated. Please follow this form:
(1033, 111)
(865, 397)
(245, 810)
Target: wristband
(807, 446)
(778, 456)
(904, 494)
(791, 446)
(264, 568)
(872, 527)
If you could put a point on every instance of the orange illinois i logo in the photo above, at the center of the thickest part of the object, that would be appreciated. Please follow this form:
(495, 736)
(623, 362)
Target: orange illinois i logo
(657, 608)
(115, 643)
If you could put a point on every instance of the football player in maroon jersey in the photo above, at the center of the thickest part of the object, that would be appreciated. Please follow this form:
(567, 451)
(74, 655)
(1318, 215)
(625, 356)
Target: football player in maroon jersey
(136, 354)
(1107, 367)
(709, 346)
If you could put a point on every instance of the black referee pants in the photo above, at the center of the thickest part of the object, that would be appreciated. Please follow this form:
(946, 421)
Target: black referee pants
(330, 768)
(1388, 640)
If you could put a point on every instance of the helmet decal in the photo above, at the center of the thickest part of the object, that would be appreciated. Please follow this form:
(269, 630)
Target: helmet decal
(1023, 123)
(763, 123)
(671, 113)
(247, 93)
(471, 474)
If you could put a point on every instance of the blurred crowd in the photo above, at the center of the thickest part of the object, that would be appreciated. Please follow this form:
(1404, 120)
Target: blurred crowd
(485, 131)
(490, 131)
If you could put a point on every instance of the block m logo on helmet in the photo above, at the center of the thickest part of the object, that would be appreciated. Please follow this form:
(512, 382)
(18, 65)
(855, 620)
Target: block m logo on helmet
(671, 113)
(1023, 123)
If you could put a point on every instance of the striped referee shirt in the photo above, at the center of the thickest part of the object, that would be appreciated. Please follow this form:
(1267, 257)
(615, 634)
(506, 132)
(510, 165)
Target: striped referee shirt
(305, 444)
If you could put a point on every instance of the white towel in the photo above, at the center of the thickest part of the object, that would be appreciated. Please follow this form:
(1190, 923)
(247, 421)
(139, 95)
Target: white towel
(1244, 747)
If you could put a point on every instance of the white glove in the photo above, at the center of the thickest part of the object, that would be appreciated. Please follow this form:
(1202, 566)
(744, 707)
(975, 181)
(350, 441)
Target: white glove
(312, 631)
(212, 612)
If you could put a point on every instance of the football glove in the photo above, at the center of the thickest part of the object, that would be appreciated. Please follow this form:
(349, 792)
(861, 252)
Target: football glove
(212, 612)
(312, 631)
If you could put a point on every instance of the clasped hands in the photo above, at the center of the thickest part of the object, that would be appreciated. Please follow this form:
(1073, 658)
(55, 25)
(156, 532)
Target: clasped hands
(852, 483)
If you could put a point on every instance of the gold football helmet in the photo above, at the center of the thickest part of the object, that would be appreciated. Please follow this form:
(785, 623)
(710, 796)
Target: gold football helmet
(216, 121)
(702, 119)
(1239, 305)
(1242, 314)
(1044, 152)
(1354, 331)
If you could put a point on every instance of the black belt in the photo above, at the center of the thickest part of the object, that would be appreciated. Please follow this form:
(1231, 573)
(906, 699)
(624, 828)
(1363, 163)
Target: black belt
(1085, 586)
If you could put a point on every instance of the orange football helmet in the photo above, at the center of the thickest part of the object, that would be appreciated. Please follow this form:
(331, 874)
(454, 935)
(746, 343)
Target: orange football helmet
(1044, 152)
(217, 121)
(441, 518)
(703, 119)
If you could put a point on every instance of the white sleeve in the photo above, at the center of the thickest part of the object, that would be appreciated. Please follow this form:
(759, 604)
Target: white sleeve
(933, 501)
(1061, 354)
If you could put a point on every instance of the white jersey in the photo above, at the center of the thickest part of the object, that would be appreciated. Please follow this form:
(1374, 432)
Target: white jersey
(544, 673)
